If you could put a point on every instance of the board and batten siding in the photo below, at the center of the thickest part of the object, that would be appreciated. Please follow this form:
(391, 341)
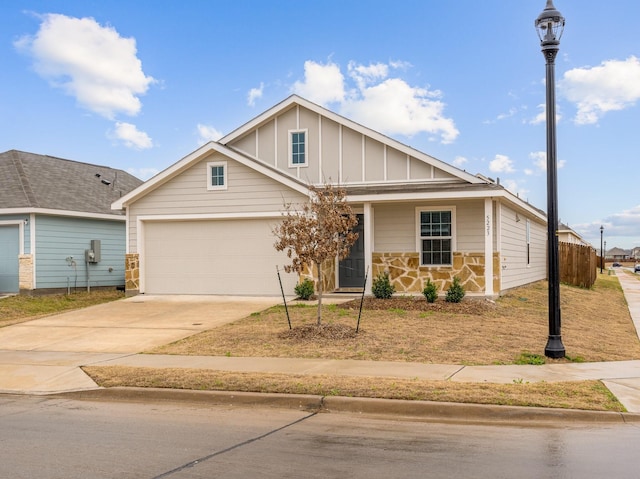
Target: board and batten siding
(186, 194)
(335, 152)
(395, 228)
(60, 237)
(513, 249)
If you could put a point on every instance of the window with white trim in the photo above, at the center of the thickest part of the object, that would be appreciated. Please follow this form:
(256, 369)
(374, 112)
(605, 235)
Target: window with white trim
(217, 175)
(528, 242)
(298, 148)
(436, 236)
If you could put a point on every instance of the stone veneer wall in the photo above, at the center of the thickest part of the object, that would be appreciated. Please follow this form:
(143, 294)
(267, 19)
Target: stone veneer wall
(131, 273)
(25, 272)
(328, 276)
(408, 276)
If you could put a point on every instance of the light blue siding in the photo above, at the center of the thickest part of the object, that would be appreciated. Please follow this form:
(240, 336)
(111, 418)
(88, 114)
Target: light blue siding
(9, 250)
(59, 238)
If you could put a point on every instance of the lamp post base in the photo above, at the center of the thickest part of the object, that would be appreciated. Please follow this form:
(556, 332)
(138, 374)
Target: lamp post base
(554, 348)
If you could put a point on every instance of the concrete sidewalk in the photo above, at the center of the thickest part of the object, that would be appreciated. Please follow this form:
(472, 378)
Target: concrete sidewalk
(36, 369)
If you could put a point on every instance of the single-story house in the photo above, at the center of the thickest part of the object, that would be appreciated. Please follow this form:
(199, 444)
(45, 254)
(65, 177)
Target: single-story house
(204, 225)
(568, 235)
(57, 229)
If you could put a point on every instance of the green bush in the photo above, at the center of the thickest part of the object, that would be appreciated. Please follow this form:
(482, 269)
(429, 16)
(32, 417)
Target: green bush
(382, 287)
(304, 290)
(455, 293)
(430, 291)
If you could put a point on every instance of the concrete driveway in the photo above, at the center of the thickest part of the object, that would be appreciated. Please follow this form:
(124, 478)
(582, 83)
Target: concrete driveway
(44, 355)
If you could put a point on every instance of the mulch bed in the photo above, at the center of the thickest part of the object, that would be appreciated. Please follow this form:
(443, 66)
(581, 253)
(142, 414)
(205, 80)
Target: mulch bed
(474, 306)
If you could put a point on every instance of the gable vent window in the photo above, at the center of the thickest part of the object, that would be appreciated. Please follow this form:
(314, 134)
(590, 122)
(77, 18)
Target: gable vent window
(298, 148)
(217, 175)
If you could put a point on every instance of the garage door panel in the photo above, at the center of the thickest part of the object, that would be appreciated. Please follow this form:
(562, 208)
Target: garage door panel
(213, 257)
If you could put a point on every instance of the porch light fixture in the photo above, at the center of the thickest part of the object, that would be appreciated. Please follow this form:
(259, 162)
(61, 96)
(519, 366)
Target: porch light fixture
(550, 25)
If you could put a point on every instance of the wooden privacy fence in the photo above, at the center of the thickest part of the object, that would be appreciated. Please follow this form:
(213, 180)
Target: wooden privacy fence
(578, 264)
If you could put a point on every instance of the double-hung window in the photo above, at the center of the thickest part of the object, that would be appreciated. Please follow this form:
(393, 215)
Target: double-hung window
(298, 148)
(436, 236)
(217, 175)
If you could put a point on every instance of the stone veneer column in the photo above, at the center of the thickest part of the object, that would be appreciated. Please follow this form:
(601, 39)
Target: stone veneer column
(25, 272)
(131, 274)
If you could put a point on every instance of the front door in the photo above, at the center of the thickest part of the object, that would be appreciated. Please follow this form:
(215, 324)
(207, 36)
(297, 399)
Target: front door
(351, 269)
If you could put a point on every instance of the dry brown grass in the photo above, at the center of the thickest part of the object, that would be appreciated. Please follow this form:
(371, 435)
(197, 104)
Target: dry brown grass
(587, 395)
(22, 308)
(596, 326)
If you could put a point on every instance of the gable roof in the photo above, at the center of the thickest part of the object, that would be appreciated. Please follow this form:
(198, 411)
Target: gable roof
(466, 184)
(296, 100)
(31, 182)
(197, 155)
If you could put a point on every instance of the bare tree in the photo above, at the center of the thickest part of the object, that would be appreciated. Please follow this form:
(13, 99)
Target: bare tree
(321, 230)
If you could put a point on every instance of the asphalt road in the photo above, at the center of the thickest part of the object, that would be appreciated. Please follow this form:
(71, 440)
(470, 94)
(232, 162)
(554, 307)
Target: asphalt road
(49, 438)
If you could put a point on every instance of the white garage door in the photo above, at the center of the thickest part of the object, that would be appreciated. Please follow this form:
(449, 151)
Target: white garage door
(230, 257)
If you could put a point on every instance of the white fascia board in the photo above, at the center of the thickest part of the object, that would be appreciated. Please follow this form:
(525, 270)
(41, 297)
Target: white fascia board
(213, 216)
(193, 158)
(446, 195)
(51, 212)
(295, 99)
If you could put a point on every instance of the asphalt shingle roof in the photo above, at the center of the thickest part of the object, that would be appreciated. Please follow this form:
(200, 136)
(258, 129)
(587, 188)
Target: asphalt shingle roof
(28, 180)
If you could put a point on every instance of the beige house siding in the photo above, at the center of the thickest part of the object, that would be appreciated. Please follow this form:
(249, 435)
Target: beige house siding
(513, 249)
(395, 226)
(375, 164)
(334, 152)
(248, 192)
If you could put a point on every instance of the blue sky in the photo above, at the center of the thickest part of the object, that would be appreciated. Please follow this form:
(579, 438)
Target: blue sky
(139, 85)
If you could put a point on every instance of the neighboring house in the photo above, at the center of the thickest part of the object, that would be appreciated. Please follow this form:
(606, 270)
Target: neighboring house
(51, 210)
(567, 235)
(618, 254)
(204, 225)
(635, 253)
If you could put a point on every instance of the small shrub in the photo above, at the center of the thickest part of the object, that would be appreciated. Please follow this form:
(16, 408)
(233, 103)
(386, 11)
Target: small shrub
(382, 287)
(430, 291)
(530, 358)
(455, 293)
(304, 290)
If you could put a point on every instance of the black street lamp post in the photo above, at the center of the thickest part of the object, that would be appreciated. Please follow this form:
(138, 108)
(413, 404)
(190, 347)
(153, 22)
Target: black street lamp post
(601, 251)
(550, 25)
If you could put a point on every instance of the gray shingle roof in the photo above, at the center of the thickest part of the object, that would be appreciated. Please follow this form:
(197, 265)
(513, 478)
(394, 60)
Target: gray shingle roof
(28, 180)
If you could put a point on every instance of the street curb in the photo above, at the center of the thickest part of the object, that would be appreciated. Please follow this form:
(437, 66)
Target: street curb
(397, 408)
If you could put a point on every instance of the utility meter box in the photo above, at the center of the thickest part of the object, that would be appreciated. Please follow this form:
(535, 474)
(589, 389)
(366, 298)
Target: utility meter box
(92, 255)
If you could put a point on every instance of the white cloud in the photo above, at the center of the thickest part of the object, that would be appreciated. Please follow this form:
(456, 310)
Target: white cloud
(539, 160)
(143, 173)
(322, 83)
(501, 164)
(541, 117)
(613, 85)
(255, 94)
(460, 161)
(90, 62)
(367, 75)
(131, 136)
(389, 105)
(207, 133)
(620, 229)
(514, 187)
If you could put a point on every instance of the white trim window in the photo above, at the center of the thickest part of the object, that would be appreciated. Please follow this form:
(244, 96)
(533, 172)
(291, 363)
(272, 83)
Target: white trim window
(217, 175)
(298, 151)
(528, 237)
(436, 235)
